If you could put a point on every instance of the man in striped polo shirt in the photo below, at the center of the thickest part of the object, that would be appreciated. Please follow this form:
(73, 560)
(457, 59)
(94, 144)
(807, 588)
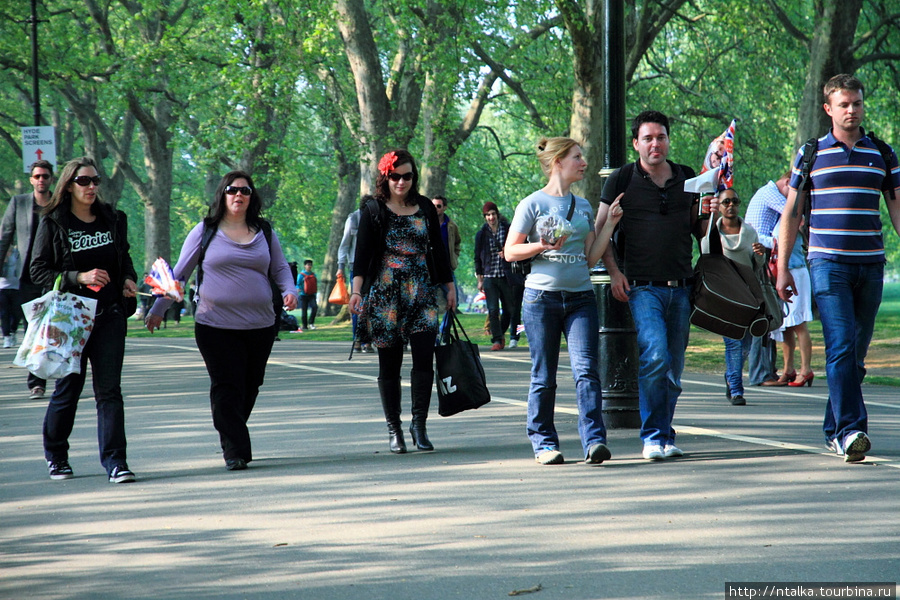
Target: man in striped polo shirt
(846, 254)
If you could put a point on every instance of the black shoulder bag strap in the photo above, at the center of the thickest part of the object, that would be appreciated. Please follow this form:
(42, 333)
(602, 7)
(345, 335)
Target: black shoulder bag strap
(571, 208)
(810, 151)
(623, 179)
(885, 150)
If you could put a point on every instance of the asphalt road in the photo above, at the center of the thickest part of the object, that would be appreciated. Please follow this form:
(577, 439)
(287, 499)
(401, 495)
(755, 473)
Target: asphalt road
(326, 512)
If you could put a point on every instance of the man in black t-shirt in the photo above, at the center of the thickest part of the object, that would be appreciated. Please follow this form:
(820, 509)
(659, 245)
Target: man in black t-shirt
(655, 233)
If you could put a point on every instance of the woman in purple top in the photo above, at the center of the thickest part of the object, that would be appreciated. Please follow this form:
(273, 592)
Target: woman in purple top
(234, 319)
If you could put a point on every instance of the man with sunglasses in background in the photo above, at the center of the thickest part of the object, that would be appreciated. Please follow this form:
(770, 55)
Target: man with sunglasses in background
(21, 220)
(654, 241)
(452, 243)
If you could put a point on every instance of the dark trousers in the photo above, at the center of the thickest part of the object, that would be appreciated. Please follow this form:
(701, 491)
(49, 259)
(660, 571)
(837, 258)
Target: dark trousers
(27, 293)
(105, 349)
(236, 362)
(497, 291)
(308, 303)
(10, 311)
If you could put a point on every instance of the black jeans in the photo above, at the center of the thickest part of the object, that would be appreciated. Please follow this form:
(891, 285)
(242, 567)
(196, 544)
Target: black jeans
(497, 291)
(236, 362)
(105, 349)
(308, 303)
(10, 311)
(27, 293)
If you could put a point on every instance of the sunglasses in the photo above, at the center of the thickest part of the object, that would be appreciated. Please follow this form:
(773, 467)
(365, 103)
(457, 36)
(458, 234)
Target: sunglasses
(84, 180)
(730, 201)
(41, 176)
(244, 190)
(397, 176)
(663, 203)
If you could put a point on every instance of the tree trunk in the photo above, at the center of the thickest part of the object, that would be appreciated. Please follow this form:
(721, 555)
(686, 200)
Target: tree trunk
(830, 53)
(371, 94)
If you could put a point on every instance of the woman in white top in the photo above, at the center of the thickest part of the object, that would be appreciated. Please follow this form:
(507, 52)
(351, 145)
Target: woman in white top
(559, 300)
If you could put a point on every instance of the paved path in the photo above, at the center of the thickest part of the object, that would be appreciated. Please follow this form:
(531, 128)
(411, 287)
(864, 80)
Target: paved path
(326, 512)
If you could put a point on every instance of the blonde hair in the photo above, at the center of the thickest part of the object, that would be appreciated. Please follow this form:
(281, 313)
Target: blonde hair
(550, 150)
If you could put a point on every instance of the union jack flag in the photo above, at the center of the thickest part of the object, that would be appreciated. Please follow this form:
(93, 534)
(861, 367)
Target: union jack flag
(162, 281)
(720, 155)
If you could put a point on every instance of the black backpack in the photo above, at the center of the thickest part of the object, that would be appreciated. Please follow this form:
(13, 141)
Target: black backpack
(277, 299)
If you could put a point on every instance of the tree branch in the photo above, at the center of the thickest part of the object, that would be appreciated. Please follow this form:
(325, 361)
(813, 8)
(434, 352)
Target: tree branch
(515, 86)
(787, 23)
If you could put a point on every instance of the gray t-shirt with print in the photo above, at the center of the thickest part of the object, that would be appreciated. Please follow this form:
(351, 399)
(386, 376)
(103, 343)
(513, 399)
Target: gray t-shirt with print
(564, 270)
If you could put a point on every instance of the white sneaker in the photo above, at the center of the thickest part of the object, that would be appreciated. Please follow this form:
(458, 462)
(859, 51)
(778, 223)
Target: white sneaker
(8, 341)
(311, 326)
(672, 451)
(513, 344)
(653, 452)
(855, 446)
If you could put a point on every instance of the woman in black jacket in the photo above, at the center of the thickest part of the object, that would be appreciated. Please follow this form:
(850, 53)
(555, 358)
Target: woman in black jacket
(85, 242)
(400, 259)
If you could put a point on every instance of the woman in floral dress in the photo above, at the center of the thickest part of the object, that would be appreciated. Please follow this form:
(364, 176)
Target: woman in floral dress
(400, 259)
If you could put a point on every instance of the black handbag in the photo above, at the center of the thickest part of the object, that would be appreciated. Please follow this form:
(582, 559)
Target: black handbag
(460, 379)
(727, 298)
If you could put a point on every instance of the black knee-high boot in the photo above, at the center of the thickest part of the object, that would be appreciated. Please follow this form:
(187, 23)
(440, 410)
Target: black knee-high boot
(421, 382)
(390, 402)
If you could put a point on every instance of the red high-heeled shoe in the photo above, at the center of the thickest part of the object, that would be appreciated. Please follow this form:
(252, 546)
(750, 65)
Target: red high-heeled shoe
(785, 379)
(806, 380)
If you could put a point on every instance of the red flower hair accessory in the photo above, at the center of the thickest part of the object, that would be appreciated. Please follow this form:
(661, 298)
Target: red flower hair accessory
(387, 162)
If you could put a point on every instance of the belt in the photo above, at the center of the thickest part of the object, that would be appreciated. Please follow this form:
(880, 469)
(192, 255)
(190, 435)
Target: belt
(672, 283)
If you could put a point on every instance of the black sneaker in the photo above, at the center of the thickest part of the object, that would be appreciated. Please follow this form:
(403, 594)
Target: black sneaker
(60, 470)
(235, 464)
(121, 474)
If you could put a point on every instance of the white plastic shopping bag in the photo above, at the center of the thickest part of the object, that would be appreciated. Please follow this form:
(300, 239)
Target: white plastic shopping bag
(59, 324)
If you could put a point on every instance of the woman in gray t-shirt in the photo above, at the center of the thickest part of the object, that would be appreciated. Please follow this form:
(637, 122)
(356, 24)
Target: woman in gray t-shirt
(559, 299)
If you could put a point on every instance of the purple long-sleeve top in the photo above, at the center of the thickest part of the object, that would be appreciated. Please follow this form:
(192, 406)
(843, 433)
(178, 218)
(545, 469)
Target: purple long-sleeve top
(235, 292)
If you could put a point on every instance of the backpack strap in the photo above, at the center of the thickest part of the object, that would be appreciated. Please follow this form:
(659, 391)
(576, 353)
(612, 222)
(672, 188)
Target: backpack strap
(623, 179)
(810, 151)
(205, 240)
(885, 150)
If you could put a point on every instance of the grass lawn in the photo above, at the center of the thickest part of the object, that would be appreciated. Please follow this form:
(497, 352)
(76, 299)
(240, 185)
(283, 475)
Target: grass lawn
(706, 352)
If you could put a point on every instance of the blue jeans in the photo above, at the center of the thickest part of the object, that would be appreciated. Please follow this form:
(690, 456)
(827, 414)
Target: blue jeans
(105, 350)
(848, 296)
(762, 360)
(736, 352)
(662, 319)
(548, 315)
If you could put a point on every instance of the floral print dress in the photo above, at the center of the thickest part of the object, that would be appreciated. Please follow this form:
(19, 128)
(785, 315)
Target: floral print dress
(402, 299)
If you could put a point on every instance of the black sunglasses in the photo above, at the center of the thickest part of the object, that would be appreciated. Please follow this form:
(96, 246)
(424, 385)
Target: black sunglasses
(233, 190)
(730, 201)
(394, 176)
(41, 176)
(84, 180)
(663, 203)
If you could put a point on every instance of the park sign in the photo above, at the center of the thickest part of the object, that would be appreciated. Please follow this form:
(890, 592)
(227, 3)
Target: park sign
(38, 143)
